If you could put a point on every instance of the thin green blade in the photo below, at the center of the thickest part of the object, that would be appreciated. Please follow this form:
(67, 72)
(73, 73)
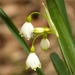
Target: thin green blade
(60, 4)
(59, 65)
(14, 30)
(39, 71)
(65, 40)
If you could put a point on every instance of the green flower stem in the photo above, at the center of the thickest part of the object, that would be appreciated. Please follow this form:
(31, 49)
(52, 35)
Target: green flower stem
(36, 38)
(44, 36)
(48, 18)
(38, 13)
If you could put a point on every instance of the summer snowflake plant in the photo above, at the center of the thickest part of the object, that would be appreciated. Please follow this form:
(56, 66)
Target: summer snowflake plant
(58, 26)
(27, 30)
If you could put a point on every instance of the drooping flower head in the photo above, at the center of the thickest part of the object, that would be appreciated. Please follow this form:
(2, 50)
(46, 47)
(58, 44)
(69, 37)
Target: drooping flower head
(26, 30)
(45, 44)
(33, 61)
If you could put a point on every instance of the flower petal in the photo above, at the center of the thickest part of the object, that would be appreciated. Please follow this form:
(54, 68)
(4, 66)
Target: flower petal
(33, 61)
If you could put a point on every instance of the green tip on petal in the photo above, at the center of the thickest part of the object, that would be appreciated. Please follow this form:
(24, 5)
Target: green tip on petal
(22, 35)
(28, 38)
(44, 49)
(34, 69)
(39, 66)
(27, 67)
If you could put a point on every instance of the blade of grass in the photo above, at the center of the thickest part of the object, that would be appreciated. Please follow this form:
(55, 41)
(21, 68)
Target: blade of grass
(15, 32)
(61, 4)
(40, 71)
(59, 65)
(66, 40)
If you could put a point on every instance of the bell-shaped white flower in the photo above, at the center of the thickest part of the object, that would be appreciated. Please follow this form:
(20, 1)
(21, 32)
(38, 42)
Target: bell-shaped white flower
(33, 62)
(26, 30)
(45, 44)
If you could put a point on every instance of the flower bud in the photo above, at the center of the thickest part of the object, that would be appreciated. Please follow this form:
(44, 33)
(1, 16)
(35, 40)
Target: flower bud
(38, 30)
(45, 44)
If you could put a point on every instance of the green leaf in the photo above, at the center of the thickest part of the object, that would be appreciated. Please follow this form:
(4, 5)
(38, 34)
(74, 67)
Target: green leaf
(59, 65)
(39, 71)
(60, 4)
(15, 32)
(65, 40)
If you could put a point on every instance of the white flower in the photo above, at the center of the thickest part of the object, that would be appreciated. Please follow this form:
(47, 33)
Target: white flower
(44, 44)
(33, 62)
(26, 30)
